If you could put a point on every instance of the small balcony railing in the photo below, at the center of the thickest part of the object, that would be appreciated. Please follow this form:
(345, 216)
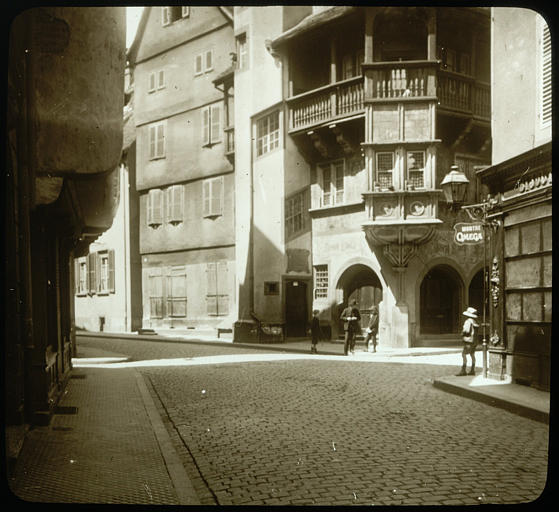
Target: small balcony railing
(326, 104)
(464, 94)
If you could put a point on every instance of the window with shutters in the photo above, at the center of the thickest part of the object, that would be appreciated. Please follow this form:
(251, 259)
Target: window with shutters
(156, 80)
(267, 133)
(157, 140)
(174, 13)
(81, 276)
(175, 204)
(154, 212)
(93, 274)
(385, 169)
(332, 180)
(416, 169)
(546, 104)
(203, 62)
(297, 213)
(321, 282)
(176, 292)
(217, 295)
(212, 197)
(105, 262)
(155, 291)
(211, 125)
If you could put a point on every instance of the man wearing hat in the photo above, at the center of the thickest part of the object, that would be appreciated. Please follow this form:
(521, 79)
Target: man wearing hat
(351, 318)
(469, 339)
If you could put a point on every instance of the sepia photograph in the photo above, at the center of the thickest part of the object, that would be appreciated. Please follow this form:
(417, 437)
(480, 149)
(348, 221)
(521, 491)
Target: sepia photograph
(278, 255)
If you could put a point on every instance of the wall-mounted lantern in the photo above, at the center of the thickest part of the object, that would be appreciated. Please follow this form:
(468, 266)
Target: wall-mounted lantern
(455, 186)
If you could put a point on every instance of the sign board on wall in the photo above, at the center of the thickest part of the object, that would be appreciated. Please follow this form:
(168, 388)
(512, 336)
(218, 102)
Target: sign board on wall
(468, 233)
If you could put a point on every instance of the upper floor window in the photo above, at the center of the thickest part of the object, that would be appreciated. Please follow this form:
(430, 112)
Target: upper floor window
(173, 13)
(95, 273)
(175, 204)
(545, 97)
(203, 62)
(212, 197)
(242, 62)
(332, 178)
(156, 80)
(321, 282)
(267, 133)
(415, 168)
(155, 207)
(81, 276)
(157, 140)
(296, 213)
(211, 124)
(385, 169)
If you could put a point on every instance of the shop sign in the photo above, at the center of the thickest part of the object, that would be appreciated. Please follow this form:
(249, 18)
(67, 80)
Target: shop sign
(468, 233)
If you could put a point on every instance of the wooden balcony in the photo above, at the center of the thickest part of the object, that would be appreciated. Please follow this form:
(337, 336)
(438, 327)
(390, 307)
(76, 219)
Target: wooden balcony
(326, 104)
(464, 95)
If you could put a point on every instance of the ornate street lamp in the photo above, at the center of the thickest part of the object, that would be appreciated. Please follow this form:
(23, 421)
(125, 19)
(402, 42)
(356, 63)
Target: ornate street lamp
(454, 186)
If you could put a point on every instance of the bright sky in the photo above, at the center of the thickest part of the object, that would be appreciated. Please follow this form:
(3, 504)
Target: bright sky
(133, 15)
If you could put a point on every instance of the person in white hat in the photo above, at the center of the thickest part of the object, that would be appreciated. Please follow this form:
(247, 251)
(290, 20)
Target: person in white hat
(469, 339)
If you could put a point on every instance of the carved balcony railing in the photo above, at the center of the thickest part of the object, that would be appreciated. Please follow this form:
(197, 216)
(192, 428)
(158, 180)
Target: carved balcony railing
(328, 103)
(401, 79)
(464, 94)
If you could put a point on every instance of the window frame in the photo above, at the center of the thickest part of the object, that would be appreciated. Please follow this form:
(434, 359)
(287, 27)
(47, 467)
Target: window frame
(292, 211)
(170, 299)
(331, 182)
(422, 169)
(321, 277)
(157, 297)
(152, 220)
(378, 171)
(241, 43)
(268, 140)
(174, 210)
(201, 62)
(103, 281)
(217, 275)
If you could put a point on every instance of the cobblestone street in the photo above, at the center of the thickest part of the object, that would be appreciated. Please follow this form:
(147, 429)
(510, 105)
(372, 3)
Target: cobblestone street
(334, 431)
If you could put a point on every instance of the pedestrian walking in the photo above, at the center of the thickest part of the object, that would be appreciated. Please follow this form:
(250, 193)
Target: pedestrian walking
(469, 340)
(316, 335)
(372, 330)
(351, 318)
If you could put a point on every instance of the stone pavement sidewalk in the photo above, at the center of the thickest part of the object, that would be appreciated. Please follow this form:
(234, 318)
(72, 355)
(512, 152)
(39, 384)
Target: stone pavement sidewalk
(106, 443)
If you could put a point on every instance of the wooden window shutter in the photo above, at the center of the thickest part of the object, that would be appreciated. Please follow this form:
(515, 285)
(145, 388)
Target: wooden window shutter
(152, 141)
(151, 82)
(157, 206)
(161, 79)
(76, 276)
(215, 117)
(165, 15)
(216, 207)
(205, 126)
(178, 201)
(546, 75)
(211, 278)
(112, 270)
(222, 288)
(149, 208)
(198, 64)
(98, 272)
(208, 60)
(92, 272)
(160, 140)
(206, 197)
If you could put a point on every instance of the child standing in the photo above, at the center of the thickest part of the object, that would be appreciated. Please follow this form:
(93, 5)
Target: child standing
(315, 331)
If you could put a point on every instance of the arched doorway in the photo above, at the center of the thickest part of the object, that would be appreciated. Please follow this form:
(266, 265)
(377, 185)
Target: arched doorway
(361, 283)
(475, 294)
(440, 301)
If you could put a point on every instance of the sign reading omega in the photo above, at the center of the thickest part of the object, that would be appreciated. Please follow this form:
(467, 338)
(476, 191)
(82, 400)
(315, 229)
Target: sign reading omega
(468, 233)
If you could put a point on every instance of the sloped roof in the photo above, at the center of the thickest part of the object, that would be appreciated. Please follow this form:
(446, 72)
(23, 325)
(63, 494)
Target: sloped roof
(312, 21)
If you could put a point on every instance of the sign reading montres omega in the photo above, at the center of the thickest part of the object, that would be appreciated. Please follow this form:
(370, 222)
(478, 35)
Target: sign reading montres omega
(468, 233)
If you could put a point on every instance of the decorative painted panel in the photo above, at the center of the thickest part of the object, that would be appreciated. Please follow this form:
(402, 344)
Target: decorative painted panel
(417, 122)
(386, 123)
(525, 273)
(530, 235)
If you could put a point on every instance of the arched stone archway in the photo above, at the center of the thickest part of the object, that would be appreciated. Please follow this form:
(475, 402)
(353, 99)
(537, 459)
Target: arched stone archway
(359, 282)
(440, 302)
